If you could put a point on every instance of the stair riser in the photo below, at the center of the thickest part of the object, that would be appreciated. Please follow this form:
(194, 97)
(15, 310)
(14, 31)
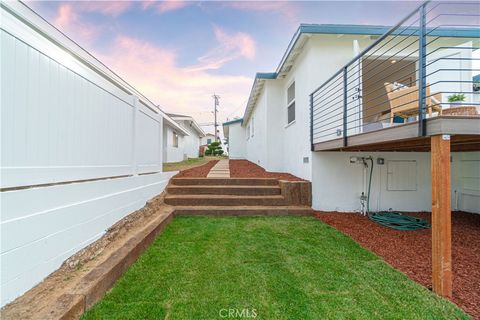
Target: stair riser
(225, 191)
(224, 182)
(225, 202)
(243, 212)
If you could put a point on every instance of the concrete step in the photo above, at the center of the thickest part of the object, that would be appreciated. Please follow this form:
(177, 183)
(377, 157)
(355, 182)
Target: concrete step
(223, 200)
(243, 211)
(225, 181)
(224, 190)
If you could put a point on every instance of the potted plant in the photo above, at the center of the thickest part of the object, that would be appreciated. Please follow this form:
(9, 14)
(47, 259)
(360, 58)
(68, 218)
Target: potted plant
(456, 99)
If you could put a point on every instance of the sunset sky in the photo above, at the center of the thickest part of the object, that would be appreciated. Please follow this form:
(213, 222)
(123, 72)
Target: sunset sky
(179, 53)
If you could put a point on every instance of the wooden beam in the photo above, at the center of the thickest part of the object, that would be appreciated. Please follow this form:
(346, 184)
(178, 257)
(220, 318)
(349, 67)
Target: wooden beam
(441, 216)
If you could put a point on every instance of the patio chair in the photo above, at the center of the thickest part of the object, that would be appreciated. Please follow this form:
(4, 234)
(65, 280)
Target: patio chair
(404, 101)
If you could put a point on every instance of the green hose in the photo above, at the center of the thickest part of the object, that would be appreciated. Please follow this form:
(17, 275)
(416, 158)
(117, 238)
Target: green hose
(394, 220)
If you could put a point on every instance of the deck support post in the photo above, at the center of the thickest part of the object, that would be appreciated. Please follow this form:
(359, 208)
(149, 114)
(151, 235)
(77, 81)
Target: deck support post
(441, 216)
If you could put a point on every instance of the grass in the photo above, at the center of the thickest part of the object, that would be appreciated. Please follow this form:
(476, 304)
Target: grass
(275, 267)
(187, 164)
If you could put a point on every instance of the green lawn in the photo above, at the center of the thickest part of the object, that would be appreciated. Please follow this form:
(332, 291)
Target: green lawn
(274, 267)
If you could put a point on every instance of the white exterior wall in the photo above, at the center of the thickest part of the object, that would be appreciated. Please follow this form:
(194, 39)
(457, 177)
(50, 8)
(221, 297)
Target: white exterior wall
(256, 138)
(338, 184)
(236, 141)
(276, 119)
(171, 153)
(62, 123)
(288, 145)
(188, 146)
(204, 140)
(191, 143)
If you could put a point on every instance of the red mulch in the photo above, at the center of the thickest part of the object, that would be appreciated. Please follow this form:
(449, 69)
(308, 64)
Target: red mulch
(247, 169)
(197, 172)
(410, 251)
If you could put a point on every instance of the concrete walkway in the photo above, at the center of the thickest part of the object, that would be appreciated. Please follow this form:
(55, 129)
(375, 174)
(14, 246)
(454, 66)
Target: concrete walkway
(220, 170)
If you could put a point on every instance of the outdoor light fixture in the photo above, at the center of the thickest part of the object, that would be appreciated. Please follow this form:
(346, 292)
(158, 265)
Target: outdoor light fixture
(393, 61)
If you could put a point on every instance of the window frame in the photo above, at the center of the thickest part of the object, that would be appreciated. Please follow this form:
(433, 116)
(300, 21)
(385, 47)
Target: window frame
(253, 126)
(292, 102)
(175, 139)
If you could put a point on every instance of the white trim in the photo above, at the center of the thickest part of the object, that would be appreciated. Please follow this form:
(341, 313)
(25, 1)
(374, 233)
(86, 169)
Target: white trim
(292, 82)
(290, 124)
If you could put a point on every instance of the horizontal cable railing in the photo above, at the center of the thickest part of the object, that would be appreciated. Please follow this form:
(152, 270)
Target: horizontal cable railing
(420, 68)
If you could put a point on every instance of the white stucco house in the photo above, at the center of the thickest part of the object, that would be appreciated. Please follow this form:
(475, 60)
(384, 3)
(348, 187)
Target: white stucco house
(179, 145)
(207, 139)
(233, 130)
(281, 129)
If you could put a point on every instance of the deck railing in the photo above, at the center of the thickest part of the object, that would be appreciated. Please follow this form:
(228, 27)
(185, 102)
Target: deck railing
(418, 69)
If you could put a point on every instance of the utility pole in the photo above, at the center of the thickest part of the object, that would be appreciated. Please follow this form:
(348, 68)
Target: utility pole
(215, 110)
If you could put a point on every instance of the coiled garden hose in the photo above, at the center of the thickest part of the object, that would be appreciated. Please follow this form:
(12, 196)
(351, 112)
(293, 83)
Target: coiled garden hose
(394, 220)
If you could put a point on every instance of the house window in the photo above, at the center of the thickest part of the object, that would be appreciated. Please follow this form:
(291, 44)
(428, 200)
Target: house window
(253, 126)
(209, 141)
(175, 139)
(291, 103)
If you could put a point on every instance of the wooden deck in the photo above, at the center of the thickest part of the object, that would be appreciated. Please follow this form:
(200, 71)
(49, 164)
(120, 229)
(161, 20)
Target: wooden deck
(464, 132)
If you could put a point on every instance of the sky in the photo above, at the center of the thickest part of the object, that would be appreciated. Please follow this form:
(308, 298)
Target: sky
(179, 53)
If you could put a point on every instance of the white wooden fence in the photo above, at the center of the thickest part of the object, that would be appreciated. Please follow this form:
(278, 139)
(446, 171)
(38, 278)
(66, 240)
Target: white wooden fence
(75, 148)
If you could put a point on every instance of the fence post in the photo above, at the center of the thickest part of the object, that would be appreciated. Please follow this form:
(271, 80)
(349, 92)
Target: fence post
(345, 107)
(135, 107)
(422, 79)
(312, 148)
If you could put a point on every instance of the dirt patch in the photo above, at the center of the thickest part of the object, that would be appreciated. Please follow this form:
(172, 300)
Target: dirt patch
(39, 301)
(247, 169)
(187, 164)
(197, 172)
(410, 251)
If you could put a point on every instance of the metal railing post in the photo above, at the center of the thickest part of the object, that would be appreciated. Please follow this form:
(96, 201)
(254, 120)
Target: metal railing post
(345, 107)
(422, 79)
(312, 148)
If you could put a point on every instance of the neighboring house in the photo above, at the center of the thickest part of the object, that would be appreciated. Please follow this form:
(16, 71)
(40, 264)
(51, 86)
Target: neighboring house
(179, 145)
(233, 130)
(81, 148)
(207, 139)
(277, 133)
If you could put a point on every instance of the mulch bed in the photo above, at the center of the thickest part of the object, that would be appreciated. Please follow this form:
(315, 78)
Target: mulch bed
(247, 169)
(197, 172)
(410, 251)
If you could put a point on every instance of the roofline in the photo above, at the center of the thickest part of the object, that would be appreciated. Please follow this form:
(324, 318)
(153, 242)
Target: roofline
(189, 118)
(266, 75)
(350, 29)
(373, 30)
(232, 122)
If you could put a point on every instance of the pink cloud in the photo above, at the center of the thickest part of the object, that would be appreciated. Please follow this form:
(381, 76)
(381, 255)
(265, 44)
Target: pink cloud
(65, 16)
(164, 6)
(110, 8)
(69, 22)
(287, 9)
(230, 46)
(155, 73)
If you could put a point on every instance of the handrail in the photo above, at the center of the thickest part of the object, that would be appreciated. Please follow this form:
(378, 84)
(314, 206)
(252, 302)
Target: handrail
(361, 97)
(382, 37)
